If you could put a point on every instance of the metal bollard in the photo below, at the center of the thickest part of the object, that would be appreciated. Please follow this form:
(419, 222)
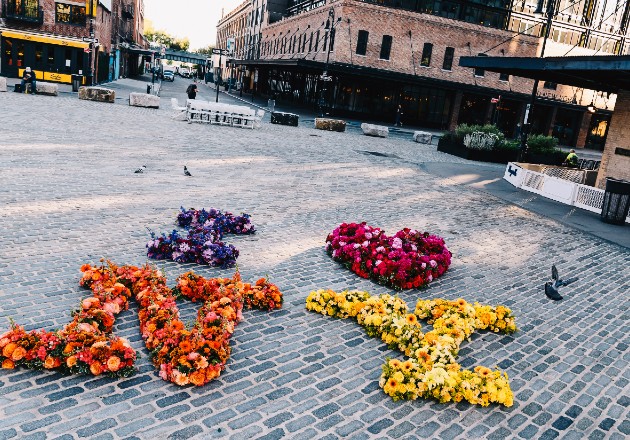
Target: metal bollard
(148, 89)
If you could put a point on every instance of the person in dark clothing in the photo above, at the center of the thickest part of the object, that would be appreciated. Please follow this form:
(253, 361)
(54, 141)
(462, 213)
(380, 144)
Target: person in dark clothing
(29, 77)
(399, 113)
(191, 91)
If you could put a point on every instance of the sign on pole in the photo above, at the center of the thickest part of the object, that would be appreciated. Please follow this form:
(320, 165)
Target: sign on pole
(231, 44)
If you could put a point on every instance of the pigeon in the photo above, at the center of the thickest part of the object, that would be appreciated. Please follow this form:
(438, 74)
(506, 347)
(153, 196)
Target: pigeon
(186, 172)
(141, 169)
(551, 288)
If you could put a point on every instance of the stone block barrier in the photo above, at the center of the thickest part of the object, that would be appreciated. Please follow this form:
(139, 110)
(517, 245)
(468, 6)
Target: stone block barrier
(3, 84)
(144, 100)
(45, 88)
(375, 130)
(99, 94)
(281, 118)
(330, 124)
(422, 137)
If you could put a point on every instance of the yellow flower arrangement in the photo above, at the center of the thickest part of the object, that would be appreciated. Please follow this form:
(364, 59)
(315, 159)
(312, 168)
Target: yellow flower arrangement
(431, 370)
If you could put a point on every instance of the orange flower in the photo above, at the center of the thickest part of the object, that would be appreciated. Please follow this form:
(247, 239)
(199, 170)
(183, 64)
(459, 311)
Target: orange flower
(96, 368)
(18, 353)
(185, 346)
(197, 378)
(49, 362)
(7, 351)
(85, 267)
(8, 364)
(71, 361)
(113, 363)
(180, 379)
(96, 276)
(68, 349)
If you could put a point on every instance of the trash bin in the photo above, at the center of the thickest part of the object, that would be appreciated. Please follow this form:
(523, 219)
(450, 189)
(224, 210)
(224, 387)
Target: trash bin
(77, 80)
(271, 105)
(616, 201)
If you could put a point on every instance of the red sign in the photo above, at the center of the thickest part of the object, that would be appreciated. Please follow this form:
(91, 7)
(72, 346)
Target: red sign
(494, 100)
(87, 50)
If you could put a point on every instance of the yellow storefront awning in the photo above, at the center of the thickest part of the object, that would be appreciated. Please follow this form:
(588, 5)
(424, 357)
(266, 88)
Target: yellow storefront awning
(41, 38)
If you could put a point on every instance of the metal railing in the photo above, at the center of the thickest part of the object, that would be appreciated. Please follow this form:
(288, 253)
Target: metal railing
(23, 10)
(304, 6)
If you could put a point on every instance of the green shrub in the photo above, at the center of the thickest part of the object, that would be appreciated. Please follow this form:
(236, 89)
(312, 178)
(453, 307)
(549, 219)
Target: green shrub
(508, 144)
(539, 144)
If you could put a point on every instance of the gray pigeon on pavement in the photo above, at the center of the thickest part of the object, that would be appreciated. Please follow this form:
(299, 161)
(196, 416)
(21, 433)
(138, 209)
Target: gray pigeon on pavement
(186, 172)
(141, 169)
(551, 288)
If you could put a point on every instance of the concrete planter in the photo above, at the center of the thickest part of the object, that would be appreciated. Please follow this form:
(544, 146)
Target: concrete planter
(99, 94)
(493, 156)
(289, 119)
(422, 137)
(330, 124)
(3, 84)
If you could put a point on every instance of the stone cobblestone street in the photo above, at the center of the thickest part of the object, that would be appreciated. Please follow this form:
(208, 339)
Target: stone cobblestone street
(69, 196)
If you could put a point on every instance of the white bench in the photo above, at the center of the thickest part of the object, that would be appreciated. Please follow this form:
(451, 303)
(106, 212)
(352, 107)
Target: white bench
(45, 88)
(222, 114)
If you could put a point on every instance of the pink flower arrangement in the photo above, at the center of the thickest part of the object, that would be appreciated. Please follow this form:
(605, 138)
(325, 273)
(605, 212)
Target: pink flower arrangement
(409, 259)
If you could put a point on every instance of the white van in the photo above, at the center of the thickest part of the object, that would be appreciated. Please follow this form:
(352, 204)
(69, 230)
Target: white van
(185, 72)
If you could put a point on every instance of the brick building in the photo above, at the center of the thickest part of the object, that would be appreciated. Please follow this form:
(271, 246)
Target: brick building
(380, 54)
(49, 36)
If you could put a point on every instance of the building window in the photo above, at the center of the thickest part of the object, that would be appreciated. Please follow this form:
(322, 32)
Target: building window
(362, 42)
(39, 54)
(71, 14)
(480, 72)
(550, 85)
(386, 47)
(427, 51)
(317, 42)
(449, 53)
(325, 41)
(8, 52)
(310, 43)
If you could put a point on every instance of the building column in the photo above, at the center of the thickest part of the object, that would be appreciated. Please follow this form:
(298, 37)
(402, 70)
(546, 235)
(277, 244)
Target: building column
(457, 103)
(584, 127)
(552, 121)
(615, 161)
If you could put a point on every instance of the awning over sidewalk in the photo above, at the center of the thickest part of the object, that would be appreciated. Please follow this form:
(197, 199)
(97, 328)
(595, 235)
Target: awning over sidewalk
(607, 73)
(43, 38)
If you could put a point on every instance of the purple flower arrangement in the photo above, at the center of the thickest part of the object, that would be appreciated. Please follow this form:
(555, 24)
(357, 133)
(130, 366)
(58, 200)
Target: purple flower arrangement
(202, 244)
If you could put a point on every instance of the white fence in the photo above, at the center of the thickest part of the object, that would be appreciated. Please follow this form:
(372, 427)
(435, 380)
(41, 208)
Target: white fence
(560, 190)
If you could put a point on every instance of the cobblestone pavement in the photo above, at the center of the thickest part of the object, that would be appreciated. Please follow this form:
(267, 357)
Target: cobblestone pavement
(69, 196)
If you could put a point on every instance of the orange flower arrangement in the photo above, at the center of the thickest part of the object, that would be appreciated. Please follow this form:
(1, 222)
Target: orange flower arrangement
(194, 356)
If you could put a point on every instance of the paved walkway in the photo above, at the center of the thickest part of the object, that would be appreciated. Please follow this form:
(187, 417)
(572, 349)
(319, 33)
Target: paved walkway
(70, 196)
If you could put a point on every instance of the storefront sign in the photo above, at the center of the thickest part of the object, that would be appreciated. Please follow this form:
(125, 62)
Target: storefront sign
(555, 97)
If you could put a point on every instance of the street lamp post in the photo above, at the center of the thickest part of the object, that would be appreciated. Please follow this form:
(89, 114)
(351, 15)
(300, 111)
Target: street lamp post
(330, 25)
(550, 11)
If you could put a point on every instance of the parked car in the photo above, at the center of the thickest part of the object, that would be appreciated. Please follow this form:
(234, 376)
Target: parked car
(168, 75)
(184, 72)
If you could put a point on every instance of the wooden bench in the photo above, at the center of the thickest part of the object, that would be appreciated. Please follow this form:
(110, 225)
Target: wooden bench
(222, 114)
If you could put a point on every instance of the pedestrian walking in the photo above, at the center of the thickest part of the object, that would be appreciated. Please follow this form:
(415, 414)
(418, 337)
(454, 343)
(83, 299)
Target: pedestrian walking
(191, 91)
(399, 113)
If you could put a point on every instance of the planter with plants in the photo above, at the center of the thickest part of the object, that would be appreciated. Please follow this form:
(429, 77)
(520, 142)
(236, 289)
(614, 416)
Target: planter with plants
(480, 143)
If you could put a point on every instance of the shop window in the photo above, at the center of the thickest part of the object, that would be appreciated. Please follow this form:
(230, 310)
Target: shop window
(550, 85)
(504, 77)
(449, 53)
(51, 57)
(39, 54)
(480, 72)
(70, 14)
(8, 52)
(427, 51)
(20, 54)
(362, 42)
(386, 47)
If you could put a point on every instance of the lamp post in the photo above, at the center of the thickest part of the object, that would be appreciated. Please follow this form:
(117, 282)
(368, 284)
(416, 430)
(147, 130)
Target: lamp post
(550, 11)
(330, 25)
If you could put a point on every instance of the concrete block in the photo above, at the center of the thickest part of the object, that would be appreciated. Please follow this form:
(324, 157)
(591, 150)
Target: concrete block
(99, 94)
(422, 137)
(144, 100)
(44, 88)
(375, 130)
(3, 84)
(284, 119)
(330, 124)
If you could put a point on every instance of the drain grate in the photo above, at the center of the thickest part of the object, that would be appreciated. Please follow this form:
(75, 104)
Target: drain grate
(377, 153)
